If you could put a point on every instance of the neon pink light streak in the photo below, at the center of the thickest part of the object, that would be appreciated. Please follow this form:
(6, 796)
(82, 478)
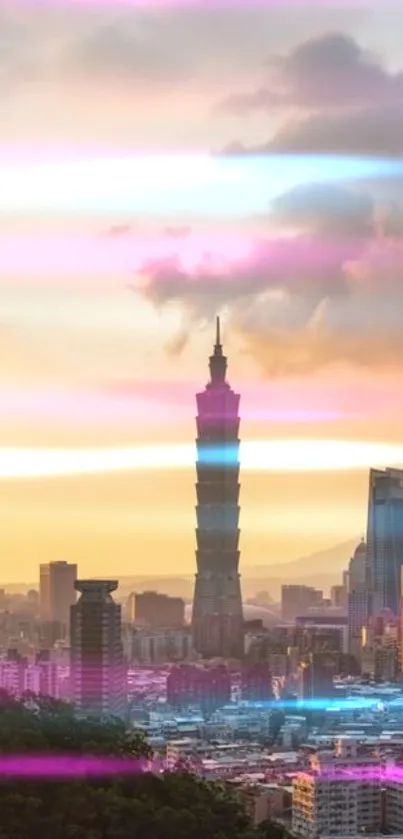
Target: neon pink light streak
(287, 401)
(280, 398)
(27, 766)
(54, 767)
(219, 3)
(139, 406)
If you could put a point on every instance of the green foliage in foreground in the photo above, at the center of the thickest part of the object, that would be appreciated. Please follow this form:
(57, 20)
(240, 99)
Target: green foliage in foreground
(143, 806)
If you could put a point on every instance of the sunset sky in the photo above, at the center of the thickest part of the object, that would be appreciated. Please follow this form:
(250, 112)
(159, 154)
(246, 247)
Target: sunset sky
(161, 164)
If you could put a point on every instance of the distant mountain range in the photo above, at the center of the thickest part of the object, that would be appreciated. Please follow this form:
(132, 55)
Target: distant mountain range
(334, 560)
(321, 569)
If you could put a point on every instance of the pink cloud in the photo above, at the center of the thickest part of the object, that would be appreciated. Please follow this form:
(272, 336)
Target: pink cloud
(116, 254)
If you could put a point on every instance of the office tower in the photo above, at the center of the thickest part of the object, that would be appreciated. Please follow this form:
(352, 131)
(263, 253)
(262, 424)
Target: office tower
(357, 598)
(156, 610)
(256, 682)
(98, 673)
(316, 637)
(356, 576)
(338, 597)
(385, 540)
(296, 600)
(44, 591)
(217, 618)
(317, 677)
(57, 592)
(381, 647)
(208, 688)
(50, 632)
(357, 617)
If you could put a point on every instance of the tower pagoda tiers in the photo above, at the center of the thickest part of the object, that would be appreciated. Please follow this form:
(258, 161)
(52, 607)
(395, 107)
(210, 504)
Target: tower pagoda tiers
(217, 618)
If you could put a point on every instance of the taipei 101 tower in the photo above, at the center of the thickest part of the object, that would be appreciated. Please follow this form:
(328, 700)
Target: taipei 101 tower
(217, 618)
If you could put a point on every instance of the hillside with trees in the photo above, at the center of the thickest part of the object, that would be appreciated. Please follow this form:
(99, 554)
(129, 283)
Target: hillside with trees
(141, 805)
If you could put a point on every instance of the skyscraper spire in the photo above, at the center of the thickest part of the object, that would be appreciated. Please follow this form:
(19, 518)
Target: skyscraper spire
(217, 333)
(218, 361)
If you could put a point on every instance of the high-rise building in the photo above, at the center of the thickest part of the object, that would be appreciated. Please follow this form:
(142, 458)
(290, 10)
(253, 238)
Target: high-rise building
(356, 575)
(154, 609)
(256, 682)
(357, 598)
(57, 592)
(217, 618)
(339, 796)
(394, 804)
(98, 672)
(357, 617)
(317, 637)
(317, 677)
(296, 600)
(338, 596)
(385, 540)
(206, 687)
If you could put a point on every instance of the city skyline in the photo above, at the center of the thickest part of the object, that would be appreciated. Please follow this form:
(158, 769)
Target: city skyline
(201, 419)
(105, 335)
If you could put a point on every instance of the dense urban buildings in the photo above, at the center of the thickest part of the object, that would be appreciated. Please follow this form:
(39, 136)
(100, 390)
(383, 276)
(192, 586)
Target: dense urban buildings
(217, 619)
(98, 674)
(40, 675)
(159, 645)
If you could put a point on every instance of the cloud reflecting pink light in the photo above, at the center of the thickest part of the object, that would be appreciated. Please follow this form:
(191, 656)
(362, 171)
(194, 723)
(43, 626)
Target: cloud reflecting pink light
(117, 254)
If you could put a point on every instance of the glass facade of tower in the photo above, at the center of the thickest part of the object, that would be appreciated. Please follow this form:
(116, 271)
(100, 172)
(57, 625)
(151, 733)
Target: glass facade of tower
(217, 619)
(385, 540)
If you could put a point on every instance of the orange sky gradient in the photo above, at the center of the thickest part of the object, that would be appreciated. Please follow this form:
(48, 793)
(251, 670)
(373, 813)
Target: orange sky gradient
(85, 360)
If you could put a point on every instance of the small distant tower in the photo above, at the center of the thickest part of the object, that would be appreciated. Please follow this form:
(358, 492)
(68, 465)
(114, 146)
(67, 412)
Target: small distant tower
(98, 673)
(57, 592)
(217, 618)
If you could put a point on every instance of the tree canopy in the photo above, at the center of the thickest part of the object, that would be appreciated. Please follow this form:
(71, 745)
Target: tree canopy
(135, 806)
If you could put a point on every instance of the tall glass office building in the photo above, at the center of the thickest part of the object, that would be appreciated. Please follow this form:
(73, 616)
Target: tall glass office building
(385, 540)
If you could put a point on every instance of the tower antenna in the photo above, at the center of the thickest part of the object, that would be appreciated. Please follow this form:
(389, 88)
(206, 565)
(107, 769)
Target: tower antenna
(218, 333)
